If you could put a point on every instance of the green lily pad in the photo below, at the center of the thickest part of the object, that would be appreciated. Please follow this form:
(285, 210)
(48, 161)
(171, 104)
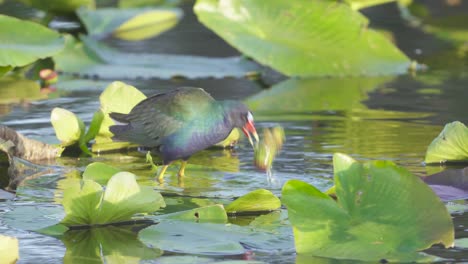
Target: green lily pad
(206, 214)
(271, 233)
(86, 203)
(383, 212)
(131, 23)
(191, 238)
(255, 201)
(106, 245)
(33, 217)
(303, 38)
(101, 61)
(450, 145)
(68, 127)
(99, 172)
(35, 42)
(9, 249)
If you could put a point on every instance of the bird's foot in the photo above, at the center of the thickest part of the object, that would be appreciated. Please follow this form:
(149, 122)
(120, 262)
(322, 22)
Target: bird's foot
(161, 173)
(182, 169)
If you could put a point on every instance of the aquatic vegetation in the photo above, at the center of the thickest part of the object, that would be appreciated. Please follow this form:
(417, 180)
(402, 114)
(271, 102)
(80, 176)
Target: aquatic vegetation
(451, 145)
(381, 212)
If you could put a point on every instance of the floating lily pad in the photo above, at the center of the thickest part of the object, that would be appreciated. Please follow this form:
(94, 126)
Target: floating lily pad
(191, 238)
(297, 39)
(101, 61)
(255, 201)
(450, 145)
(86, 203)
(272, 233)
(33, 217)
(207, 214)
(381, 212)
(9, 249)
(35, 42)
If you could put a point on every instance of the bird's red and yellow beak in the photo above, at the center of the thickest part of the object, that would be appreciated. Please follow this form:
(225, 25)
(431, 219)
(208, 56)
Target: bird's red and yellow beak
(249, 131)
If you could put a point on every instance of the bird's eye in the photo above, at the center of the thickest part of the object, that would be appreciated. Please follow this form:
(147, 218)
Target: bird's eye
(250, 117)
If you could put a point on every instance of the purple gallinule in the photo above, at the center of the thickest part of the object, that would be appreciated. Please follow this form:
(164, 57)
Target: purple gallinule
(182, 122)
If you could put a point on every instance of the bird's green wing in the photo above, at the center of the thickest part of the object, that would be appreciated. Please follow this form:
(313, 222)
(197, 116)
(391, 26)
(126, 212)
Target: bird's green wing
(163, 114)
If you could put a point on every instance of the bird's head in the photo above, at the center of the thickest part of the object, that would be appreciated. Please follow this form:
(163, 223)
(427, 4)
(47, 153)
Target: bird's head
(242, 118)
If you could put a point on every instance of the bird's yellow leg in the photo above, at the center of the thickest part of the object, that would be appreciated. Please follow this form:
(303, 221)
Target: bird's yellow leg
(161, 173)
(182, 168)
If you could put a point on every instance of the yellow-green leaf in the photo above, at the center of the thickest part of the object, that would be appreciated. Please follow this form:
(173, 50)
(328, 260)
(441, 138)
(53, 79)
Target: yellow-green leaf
(147, 24)
(258, 200)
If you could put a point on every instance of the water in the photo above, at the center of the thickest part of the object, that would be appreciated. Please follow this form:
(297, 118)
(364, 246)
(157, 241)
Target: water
(386, 118)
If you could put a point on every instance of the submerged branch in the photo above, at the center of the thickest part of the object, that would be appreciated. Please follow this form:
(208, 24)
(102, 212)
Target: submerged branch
(17, 145)
(19, 151)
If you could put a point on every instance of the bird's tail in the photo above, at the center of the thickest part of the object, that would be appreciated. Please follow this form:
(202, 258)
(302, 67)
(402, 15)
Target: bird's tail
(119, 118)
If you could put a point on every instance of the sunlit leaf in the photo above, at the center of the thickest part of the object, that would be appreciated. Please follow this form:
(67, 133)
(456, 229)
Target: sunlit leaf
(258, 200)
(148, 24)
(35, 42)
(81, 202)
(450, 145)
(109, 245)
(231, 139)
(124, 197)
(9, 249)
(68, 127)
(99, 172)
(303, 38)
(60, 6)
(117, 97)
(383, 212)
(86, 203)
